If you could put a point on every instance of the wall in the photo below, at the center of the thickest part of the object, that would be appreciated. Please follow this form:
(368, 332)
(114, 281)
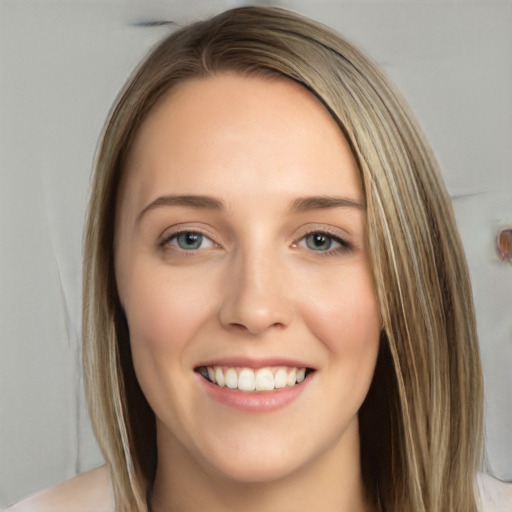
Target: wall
(61, 65)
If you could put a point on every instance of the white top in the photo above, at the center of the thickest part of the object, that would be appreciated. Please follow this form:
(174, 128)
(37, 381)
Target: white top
(495, 495)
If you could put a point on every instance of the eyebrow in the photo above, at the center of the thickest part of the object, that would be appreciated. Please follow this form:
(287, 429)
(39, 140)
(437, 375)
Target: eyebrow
(305, 204)
(192, 201)
(299, 205)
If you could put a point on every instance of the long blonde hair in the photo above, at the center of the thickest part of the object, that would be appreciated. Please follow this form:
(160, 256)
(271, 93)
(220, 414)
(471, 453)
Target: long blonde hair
(421, 423)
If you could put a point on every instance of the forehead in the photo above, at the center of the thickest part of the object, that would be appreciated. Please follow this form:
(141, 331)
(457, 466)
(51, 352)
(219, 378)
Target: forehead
(230, 133)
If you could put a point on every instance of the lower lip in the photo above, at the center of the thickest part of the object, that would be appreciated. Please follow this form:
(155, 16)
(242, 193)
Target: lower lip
(254, 402)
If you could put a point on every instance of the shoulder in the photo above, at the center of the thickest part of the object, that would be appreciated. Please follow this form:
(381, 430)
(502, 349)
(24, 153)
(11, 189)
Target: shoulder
(87, 492)
(495, 495)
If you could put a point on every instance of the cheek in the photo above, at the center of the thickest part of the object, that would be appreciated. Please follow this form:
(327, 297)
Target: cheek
(343, 311)
(163, 312)
(343, 314)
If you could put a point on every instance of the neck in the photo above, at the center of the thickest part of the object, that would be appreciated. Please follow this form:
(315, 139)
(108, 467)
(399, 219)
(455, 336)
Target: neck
(332, 480)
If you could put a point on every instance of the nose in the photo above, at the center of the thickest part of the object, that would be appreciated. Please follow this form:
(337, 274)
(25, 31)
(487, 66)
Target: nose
(255, 295)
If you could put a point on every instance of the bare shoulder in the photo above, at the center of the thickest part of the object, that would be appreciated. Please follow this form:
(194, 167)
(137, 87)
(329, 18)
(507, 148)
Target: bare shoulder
(87, 492)
(495, 495)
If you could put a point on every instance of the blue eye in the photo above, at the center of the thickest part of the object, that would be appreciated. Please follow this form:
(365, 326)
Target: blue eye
(319, 241)
(189, 241)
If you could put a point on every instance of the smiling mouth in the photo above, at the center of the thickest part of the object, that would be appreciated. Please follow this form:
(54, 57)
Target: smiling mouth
(249, 380)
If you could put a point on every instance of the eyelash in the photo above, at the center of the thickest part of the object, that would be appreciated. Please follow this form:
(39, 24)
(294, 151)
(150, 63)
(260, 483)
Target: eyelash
(343, 247)
(173, 236)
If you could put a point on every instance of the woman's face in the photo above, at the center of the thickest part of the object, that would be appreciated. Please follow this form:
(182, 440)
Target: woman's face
(241, 262)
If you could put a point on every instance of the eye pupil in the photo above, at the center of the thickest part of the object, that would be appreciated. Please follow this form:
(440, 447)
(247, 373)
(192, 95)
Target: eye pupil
(318, 242)
(189, 240)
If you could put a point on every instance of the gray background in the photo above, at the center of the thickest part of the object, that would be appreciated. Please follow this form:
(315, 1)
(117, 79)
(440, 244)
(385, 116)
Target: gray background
(61, 65)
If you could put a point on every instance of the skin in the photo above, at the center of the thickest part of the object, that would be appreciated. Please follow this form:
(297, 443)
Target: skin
(253, 288)
(88, 492)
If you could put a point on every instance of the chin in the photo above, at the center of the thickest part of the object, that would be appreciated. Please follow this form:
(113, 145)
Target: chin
(246, 471)
(259, 458)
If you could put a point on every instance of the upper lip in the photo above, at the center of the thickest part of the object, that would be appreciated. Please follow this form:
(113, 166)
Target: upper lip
(254, 363)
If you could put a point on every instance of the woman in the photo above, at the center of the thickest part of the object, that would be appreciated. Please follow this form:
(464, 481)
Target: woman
(277, 312)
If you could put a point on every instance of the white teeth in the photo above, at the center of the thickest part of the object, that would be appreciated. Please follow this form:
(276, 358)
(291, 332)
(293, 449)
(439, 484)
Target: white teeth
(291, 379)
(280, 378)
(264, 380)
(219, 377)
(231, 379)
(247, 379)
